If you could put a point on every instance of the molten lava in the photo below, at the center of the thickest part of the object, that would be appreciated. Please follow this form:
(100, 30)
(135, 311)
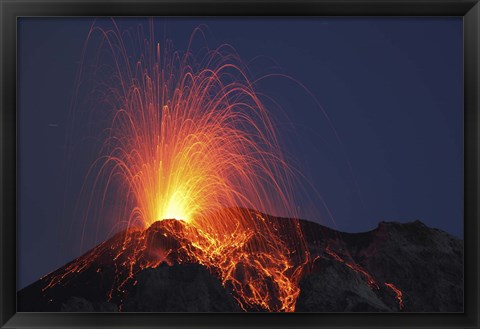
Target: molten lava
(397, 292)
(257, 258)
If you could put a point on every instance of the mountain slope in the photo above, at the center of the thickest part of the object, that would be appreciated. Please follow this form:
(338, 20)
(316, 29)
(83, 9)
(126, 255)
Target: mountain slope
(395, 267)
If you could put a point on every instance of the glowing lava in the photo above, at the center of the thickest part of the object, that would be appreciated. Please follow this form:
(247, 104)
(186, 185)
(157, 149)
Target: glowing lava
(366, 276)
(397, 292)
(187, 137)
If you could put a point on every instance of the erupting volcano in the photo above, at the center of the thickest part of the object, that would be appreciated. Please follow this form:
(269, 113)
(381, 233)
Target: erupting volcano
(194, 162)
(188, 139)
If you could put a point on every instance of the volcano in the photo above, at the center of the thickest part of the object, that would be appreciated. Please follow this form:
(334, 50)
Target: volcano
(406, 267)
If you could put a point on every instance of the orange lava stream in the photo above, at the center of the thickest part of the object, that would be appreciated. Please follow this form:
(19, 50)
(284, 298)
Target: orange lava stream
(368, 278)
(397, 292)
(357, 268)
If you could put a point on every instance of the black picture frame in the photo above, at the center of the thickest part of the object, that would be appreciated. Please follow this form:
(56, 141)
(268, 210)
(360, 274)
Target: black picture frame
(10, 10)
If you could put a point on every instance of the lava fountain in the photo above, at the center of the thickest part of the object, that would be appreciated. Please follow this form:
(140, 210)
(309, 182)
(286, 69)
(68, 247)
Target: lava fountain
(189, 164)
(188, 138)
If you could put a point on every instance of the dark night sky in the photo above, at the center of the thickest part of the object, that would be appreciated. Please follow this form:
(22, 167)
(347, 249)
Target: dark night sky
(391, 87)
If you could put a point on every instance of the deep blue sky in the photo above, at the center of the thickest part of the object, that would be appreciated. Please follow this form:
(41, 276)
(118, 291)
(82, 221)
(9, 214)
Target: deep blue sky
(391, 87)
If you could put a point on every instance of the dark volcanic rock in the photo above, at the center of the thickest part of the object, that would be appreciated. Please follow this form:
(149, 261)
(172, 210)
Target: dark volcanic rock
(79, 304)
(348, 273)
(336, 288)
(179, 288)
(425, 264)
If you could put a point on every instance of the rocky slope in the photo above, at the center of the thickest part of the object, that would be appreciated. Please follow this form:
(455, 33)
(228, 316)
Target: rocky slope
(425, 264)
(396, 267)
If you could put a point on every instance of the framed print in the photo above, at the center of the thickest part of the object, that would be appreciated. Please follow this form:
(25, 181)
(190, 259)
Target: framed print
(225, 164)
